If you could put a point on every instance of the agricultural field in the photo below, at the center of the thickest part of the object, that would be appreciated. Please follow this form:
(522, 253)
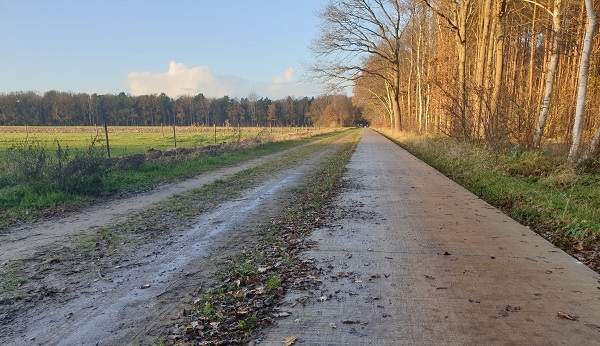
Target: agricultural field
(124, 141)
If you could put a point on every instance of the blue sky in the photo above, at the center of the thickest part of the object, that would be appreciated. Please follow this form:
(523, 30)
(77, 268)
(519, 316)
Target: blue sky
(216, 47)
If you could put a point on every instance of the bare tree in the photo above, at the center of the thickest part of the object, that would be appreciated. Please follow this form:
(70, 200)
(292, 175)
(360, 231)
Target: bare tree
(353, 30)
(456, 14)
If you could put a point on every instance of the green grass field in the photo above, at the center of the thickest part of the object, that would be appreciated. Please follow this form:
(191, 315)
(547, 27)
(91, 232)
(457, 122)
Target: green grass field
(125, 141)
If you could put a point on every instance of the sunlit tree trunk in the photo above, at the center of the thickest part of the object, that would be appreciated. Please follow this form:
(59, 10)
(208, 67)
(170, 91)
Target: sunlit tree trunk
(531, 60)
(584, 67)
(594, 149)
(499, 12)
(483, 50)
(550, 75)
(419, 77)
(456, 17)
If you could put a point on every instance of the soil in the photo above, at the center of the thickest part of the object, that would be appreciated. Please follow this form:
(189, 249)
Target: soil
(130, 289)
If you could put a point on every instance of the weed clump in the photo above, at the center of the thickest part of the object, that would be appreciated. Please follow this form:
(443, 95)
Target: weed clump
(43, 167)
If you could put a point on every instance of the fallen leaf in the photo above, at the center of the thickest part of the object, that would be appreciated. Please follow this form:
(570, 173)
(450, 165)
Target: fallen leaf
(333, 325)
(375, 276)
(290, 341)
(263, 269)
(145, 286)
(565, 316)
(281, 314)
(350, 322)
(322, 298)
(447, 253)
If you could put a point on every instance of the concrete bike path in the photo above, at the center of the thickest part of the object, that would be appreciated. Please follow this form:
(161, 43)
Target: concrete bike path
(411, 258)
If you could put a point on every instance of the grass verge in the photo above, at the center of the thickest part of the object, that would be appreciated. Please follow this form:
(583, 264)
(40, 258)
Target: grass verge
(539, 189)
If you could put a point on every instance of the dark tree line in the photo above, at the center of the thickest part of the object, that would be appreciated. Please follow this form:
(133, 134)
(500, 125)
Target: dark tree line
(56, 108)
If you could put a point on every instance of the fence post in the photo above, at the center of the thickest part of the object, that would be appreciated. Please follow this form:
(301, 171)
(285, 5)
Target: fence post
(106, 133)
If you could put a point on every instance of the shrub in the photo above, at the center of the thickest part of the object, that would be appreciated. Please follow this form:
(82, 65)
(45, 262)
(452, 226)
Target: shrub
(27, 161)
(42, 168)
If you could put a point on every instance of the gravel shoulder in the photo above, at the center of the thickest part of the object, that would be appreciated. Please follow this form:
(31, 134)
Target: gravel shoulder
(411, 258)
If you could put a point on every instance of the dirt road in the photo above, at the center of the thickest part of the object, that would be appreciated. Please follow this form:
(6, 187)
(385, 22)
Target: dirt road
(24, 241)
(130, 294)
(411, 258)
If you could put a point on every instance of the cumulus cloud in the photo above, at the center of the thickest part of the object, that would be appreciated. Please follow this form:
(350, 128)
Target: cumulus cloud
(183, 80)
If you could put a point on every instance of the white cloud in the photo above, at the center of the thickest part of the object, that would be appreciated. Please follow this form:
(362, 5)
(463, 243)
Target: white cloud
(183, 80)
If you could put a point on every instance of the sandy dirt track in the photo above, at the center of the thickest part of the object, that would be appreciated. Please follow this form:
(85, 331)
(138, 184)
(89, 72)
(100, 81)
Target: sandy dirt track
(25, 240)
(132, 295)
(411, 258)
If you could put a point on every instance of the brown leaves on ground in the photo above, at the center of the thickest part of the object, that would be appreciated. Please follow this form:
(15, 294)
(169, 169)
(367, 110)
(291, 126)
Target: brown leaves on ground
(565, 316)
(252, 286)
(290, 341)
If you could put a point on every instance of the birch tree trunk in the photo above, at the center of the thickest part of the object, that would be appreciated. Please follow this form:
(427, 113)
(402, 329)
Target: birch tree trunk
(419, 77)
(550, 75)
(584, 68)
(594, 150)
(499, 11)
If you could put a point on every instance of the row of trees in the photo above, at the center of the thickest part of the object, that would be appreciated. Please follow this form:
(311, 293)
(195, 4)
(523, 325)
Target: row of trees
(64, 108)
(492, 70)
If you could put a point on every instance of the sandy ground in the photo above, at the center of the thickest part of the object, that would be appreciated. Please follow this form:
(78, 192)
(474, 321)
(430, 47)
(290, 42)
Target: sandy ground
(132, 295)
(411, 258)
